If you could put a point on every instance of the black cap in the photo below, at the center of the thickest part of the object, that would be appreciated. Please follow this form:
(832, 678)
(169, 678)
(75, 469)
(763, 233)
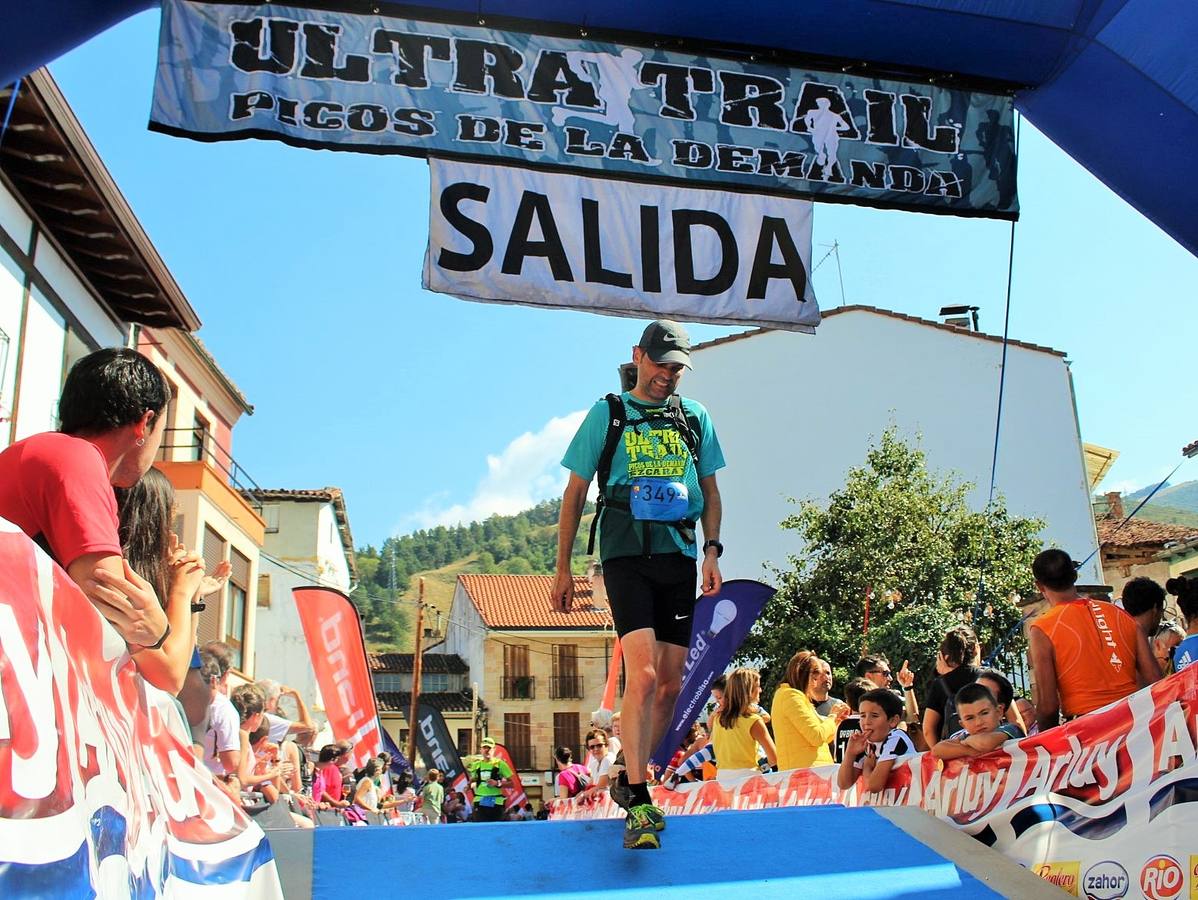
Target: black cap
(666, 342)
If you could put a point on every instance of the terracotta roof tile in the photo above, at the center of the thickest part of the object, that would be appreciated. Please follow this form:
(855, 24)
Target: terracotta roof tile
(522, 601)
(1140, 532)
(877, 310)
(401, 701)
(434, 663)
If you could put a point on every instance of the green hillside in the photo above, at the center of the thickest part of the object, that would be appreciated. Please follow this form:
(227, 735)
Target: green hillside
(1181, 497)
(1157, 512)
(521, 544)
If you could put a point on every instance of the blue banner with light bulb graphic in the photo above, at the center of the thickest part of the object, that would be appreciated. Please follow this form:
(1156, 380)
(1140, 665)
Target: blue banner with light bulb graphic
(720, 625)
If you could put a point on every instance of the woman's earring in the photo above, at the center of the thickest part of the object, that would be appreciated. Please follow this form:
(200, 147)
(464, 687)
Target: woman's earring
(141, 442)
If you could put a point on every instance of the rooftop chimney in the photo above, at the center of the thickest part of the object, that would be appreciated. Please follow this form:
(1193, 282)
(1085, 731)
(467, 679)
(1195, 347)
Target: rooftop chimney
(1114, 502)
(963, 317)
(598, 588)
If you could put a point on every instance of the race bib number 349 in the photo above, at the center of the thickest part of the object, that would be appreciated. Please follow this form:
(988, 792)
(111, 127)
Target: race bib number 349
(658, 500)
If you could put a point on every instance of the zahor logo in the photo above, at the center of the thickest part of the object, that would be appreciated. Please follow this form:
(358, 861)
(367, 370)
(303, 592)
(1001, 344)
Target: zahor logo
(1064, 875)
(1162, 878)
(1106, 880)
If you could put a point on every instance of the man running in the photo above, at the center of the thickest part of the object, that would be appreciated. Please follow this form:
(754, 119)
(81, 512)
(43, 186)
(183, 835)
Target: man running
(656, 455)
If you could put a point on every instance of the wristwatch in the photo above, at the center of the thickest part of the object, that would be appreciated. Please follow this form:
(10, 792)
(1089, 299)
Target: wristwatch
(719, 548)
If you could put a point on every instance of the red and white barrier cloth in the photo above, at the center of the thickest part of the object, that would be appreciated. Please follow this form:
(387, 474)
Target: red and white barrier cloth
(100, 793)
(1100, 806)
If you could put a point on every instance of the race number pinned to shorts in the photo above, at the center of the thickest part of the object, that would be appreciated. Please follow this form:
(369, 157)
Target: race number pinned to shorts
(658, 500)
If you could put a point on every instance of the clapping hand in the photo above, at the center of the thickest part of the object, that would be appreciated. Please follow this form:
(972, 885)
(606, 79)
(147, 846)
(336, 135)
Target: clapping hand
(214, 582)
(905, 676)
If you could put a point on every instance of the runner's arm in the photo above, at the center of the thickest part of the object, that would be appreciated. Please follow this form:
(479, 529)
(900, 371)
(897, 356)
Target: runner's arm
(1048, 701)
(573, 499)
(713, 514)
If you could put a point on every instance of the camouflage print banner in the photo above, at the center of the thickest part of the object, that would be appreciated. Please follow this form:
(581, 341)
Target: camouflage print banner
(373, 83)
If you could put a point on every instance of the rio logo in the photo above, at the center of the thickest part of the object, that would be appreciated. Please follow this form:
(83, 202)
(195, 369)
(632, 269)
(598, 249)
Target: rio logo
(1162, 878)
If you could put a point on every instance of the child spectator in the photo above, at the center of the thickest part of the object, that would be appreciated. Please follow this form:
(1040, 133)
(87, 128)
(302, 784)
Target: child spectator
(1186, 592)
(853, 692)
(1004, 695)
(737, 731)
(983, 729)
(432, 797)
(871, 752)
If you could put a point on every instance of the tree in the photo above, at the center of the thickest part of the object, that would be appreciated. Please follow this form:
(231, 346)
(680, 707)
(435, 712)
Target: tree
(927, 560)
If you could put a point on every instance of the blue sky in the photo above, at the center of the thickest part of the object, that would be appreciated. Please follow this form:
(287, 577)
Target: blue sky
(305, 269)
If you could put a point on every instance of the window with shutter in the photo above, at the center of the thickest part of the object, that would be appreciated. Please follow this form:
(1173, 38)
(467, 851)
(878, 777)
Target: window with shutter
(212, 551)
(235, 610)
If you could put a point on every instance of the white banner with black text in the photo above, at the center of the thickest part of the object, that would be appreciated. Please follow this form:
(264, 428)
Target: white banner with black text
(504, 234)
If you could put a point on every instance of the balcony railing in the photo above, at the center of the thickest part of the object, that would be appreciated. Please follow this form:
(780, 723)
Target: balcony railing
(524, 758)
(519, 687)
(198, 444)
(565, 687)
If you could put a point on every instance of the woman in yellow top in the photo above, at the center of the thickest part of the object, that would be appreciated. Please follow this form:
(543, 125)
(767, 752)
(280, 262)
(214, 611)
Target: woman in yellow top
(737, 730)
(803, 734)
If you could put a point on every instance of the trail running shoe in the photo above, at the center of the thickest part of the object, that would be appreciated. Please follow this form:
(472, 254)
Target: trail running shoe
(641, 826)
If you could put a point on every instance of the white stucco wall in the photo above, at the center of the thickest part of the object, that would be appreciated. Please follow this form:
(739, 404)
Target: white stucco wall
(467, 634)
(309, 551)
(794, 412)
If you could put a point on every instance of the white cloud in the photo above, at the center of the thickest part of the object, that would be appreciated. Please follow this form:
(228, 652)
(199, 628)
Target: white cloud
(527, 471)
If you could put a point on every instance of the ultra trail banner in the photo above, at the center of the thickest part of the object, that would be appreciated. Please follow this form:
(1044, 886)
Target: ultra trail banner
(342, 80)
(503, 234)
(100, 793)
(333, 633)
(1105, 806)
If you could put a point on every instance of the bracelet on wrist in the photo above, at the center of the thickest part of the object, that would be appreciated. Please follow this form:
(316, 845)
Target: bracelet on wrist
(162, 640)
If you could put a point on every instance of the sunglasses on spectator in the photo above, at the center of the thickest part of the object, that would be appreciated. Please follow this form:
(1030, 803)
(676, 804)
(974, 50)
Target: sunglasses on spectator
(885, 672)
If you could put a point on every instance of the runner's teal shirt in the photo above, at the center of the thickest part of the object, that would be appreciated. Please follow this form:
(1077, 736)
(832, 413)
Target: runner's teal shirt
(644, 451)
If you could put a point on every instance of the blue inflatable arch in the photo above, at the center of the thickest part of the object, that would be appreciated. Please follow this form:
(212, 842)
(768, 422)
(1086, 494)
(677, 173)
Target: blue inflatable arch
(1112, 82)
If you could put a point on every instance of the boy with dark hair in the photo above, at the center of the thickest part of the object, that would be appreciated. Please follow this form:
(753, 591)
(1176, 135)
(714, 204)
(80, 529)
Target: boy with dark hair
(983, 731)
(853, 692)
(1144, 601)
(871, 752)
(57, 488)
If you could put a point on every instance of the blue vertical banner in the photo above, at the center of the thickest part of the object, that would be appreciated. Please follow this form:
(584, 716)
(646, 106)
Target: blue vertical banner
(721, 624)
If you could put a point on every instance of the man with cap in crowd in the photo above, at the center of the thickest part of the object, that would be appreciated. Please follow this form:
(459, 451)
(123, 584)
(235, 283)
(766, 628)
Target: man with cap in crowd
(488, 775)
(655, 455)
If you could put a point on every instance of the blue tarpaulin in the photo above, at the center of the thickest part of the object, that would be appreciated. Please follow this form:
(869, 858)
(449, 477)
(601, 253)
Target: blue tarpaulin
(1114, 83)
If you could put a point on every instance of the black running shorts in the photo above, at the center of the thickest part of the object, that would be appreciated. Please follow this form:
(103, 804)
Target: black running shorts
(655, 592)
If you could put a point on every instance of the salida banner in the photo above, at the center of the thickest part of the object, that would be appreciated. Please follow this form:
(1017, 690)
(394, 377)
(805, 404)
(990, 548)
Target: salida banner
(343, 80)
(720, 625)
(333, 633)
(504, 234)
(1104, 807)
(100, 793)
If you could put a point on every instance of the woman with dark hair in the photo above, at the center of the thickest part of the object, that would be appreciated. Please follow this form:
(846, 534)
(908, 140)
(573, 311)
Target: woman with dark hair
(366, 794)
(803, 735)
(145, 512)
(956, 666)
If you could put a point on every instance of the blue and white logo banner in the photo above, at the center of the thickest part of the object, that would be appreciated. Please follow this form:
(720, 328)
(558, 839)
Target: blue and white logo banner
(340, 80)
(511, 235)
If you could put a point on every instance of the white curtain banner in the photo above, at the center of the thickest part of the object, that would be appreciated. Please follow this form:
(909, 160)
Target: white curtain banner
(504, 234)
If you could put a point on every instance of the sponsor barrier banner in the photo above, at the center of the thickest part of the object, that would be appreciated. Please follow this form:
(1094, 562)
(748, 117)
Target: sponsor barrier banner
(100, 793)
(720, 625)
(1104, 807)
(382, 84)
(514, 235)
(334, 635)
(513, 795)
(438, 750)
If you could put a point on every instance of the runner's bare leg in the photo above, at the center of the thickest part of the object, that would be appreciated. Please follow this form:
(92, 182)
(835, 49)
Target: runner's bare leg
(670, 658)
(640, 691)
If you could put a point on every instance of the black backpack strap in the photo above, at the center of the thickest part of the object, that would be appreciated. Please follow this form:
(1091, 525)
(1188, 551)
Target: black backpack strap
(683, 425)
(615, 430)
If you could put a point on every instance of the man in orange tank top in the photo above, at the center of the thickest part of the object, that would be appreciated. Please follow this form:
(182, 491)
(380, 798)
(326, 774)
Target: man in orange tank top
(1085, 653)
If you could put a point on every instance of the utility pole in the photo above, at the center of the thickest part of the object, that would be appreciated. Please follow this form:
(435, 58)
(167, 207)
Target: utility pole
(417, 665)
(473, 716)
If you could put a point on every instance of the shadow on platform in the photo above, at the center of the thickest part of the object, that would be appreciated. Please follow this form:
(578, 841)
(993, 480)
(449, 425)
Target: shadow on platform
(825, 852)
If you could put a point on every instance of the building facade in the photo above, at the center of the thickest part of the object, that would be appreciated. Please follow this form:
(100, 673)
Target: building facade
(77, 271)
(308, 541)
(795, 412)
(540, 672)
(444, 684)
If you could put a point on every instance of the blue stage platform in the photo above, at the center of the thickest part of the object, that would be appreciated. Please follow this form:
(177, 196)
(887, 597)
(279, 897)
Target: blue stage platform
(825, 852)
